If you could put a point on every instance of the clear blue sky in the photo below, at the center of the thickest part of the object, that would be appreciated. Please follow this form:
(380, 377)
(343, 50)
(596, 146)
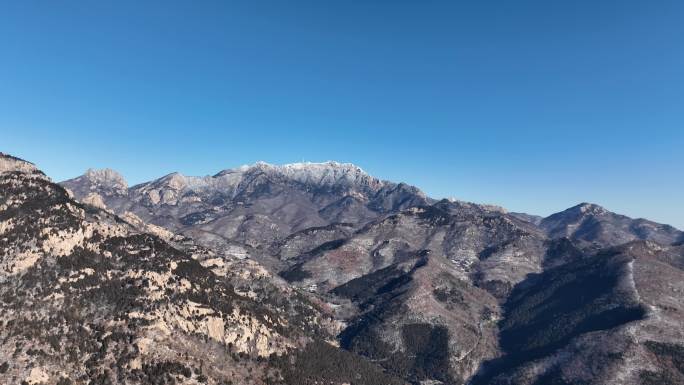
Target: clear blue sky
(533, 105)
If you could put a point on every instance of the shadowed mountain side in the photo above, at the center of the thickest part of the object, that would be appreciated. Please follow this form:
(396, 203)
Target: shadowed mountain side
(589, 320)
(417, 320)
(482, 245)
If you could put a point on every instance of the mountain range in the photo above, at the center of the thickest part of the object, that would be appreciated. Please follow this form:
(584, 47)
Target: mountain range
(319, 273)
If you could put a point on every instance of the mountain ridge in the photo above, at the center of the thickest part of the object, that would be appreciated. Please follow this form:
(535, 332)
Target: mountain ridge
(289, 169)
(410, 288)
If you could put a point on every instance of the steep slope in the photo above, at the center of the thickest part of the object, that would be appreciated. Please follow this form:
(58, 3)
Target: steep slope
(86, 298)
(483, 245)
(614, 318)
(534, 219)
(594, 224)
(420, 289)
(420, 321)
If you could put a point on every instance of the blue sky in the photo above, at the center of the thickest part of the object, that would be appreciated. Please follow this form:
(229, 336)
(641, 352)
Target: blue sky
(533, 105)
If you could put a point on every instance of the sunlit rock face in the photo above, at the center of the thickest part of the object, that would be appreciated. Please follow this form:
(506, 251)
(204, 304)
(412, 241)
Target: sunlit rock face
(9, 163)
(105, 182)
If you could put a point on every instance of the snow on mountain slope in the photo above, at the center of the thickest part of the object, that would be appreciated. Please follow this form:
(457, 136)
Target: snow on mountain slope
(253, 205)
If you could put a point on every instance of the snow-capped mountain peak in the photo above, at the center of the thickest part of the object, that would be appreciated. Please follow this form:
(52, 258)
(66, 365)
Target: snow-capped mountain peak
(271, 200)
(324, 173)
